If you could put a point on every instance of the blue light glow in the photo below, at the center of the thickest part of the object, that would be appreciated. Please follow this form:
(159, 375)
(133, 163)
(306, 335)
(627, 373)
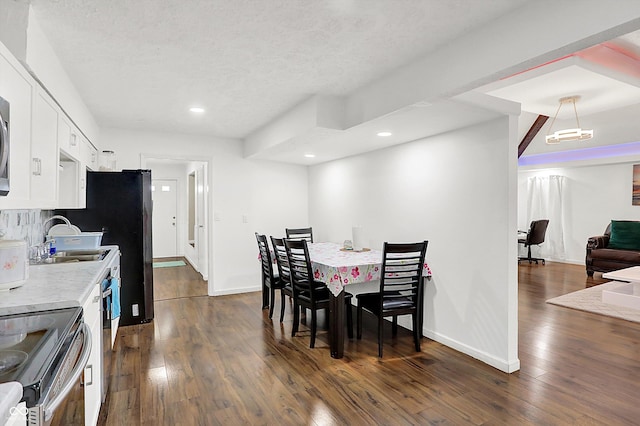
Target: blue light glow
(593, 153)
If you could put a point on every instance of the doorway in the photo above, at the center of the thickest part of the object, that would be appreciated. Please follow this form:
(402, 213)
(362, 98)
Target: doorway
(190, 204)
(165, 205)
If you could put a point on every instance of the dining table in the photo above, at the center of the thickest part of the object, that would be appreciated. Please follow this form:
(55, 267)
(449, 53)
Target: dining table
(338, 268)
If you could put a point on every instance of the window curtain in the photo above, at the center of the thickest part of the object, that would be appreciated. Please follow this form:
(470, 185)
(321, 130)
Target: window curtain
(547, 201)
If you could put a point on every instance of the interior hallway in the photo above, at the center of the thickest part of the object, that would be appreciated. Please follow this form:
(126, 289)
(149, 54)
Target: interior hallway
(178, 281)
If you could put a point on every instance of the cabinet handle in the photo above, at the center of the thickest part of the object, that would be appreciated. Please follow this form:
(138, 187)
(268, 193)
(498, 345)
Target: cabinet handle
(96, 299)
(73, 139)
(82, 183)
(37, 164)
(90, 381)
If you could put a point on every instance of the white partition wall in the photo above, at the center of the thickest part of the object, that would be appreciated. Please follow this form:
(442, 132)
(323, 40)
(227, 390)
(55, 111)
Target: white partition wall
(458, 191)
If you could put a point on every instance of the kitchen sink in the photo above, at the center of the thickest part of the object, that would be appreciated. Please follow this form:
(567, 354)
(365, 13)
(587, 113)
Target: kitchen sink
(76, 256)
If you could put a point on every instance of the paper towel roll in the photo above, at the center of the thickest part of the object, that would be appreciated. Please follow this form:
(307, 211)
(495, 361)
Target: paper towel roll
(358, 238)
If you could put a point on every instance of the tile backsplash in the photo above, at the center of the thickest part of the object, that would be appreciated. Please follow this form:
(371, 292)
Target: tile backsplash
(23, 225)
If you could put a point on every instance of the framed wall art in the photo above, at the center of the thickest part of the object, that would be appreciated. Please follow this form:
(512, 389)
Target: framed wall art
(635, 197)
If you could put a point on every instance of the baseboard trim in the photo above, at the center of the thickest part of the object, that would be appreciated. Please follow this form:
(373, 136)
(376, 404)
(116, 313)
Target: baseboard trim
(508, 366)
(191, 262)
(236, 291)
(498, 363)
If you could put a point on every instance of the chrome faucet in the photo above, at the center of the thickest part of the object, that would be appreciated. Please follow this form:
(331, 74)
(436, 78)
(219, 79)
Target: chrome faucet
(62, 218)
(39, 253)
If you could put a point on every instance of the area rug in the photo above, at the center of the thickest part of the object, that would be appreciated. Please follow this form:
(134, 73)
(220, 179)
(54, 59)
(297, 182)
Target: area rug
(168, 264)
(590, 300)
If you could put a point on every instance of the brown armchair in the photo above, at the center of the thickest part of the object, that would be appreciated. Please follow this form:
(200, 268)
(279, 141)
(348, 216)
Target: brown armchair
(602, 258)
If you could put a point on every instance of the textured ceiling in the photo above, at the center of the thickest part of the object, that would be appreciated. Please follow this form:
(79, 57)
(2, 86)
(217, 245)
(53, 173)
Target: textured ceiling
(142, 63)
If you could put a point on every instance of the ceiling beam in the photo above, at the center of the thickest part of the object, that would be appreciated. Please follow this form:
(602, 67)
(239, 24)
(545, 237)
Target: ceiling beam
(533, 131)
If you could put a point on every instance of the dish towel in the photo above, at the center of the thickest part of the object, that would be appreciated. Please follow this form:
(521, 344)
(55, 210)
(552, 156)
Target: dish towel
(115, 298)
(105, 285)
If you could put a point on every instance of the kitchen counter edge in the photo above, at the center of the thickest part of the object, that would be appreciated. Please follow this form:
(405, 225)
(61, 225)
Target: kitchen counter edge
(56, 286)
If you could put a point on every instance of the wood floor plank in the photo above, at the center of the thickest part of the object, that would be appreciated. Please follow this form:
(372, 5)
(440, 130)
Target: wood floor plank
(222, 361)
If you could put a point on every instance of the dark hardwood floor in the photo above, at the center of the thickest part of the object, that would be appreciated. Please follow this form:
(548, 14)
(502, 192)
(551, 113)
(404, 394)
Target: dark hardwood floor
(177, 281)
(220, 360)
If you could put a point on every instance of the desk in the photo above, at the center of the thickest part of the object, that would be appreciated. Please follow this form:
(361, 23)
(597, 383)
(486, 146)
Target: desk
(338, 269)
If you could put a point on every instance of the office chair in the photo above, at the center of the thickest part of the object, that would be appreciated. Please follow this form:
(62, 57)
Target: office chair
(535, 236)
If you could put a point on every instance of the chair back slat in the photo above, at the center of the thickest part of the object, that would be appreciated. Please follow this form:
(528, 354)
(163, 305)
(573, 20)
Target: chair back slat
(280, 252)
(300, 234)
(265, 257)
(402, 266)
(300, 268)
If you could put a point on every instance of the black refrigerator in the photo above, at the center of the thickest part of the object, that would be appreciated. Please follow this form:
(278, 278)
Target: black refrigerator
(119, 204)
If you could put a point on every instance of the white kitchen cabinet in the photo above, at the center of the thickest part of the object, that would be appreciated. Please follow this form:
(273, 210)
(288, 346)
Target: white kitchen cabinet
(44, 151)
(68, 137)
(17, 87)
(82, 187)
(68, 182)
(73, 171)
(92, 378)
(88, 154)
(42, 137)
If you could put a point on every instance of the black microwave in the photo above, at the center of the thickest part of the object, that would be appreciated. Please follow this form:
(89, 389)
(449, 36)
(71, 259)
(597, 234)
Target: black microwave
(4, 146)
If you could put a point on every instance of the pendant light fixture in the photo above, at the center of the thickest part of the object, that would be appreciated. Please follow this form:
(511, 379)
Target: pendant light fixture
(575, 134)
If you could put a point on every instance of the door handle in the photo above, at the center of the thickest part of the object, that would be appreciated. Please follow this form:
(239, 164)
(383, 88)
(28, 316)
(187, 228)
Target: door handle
(38, 166)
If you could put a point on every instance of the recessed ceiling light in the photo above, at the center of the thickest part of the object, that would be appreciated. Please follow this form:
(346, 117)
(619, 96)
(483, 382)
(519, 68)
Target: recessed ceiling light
(384, 134)
(310, 155)
(197, 110)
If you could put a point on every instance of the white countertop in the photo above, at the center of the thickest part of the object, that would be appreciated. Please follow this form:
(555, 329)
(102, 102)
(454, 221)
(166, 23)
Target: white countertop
(55, 286)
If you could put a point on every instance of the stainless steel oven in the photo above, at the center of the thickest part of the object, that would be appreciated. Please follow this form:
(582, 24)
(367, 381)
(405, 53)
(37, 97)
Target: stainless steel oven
(4, 147)
(46, 352)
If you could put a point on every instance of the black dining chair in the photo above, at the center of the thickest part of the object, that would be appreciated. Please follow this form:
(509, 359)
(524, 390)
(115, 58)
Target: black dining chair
(399, 291)
(282, 261)
(269, 279)
(307, 292)
(300, 234)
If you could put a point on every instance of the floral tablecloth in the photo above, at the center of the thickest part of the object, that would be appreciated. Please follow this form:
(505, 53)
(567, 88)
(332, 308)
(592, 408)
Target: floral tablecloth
(338, 268)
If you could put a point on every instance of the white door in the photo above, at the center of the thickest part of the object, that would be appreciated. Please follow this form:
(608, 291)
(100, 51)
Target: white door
(165, 201)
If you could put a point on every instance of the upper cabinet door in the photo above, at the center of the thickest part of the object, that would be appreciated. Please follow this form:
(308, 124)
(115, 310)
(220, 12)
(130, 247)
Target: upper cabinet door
(89, 154)
(44, 151)
(17, 87)
(68, 139)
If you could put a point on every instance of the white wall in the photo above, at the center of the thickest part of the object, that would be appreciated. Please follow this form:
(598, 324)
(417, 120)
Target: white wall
(272, 196)
(14, 17)
(456, 190)
(595, 195)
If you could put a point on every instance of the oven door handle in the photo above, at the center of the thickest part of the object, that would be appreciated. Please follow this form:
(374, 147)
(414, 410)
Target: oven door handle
(53, 405)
